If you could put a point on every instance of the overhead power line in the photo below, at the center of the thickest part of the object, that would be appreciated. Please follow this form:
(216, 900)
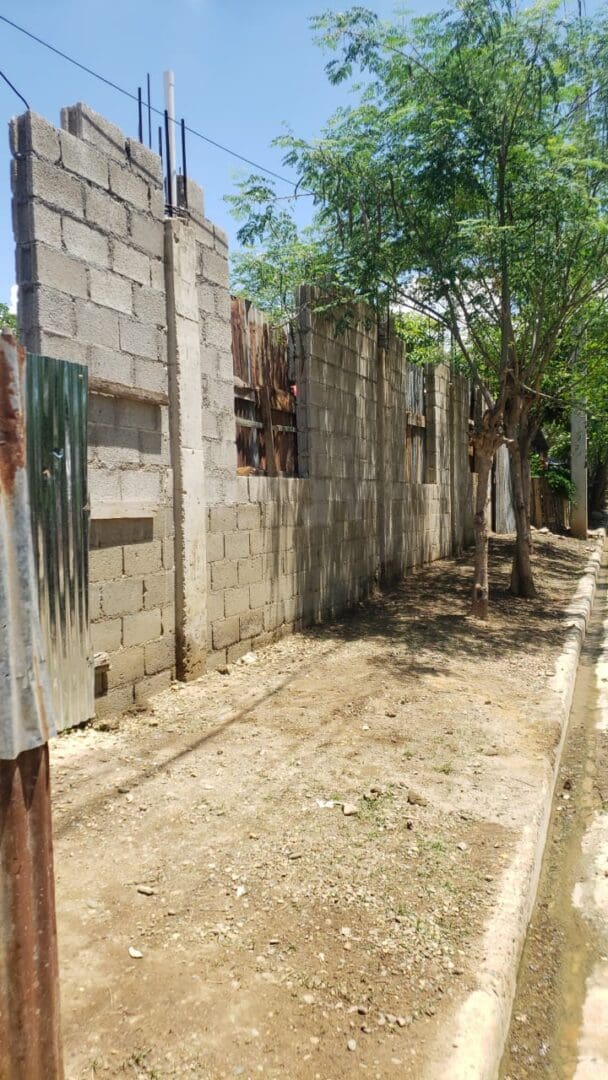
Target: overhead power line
(13, 88)
(133, 97)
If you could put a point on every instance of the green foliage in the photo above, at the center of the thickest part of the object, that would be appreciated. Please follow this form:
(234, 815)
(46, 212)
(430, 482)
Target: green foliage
(7, 318)
(423, 339)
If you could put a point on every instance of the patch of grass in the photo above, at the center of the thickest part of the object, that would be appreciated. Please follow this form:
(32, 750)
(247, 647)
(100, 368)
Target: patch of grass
(446, 768)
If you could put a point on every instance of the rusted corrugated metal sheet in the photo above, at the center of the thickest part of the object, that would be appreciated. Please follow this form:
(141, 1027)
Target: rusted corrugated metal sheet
(30, 1046)
(56, 424)
(30, 1041)
(26, 717)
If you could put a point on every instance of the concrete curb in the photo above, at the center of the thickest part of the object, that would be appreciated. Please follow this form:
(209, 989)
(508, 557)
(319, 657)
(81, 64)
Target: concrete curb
(473, 1045)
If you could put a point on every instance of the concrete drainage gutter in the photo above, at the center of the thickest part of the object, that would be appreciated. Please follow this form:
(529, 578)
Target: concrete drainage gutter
(473, 1045)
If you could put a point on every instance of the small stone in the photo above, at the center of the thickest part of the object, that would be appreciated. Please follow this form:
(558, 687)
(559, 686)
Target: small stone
(135, 954)
(414, 799)
(390, 1019)
(390, 713)
(308, 999)
(404, 1021)
(462, 846)
(224, 670)
(351, 1045)
(123, 790)
(349, 809)
(145, 890)
(362, 1010)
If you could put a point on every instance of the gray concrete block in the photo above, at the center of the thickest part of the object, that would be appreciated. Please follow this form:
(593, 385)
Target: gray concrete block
(143, 559)
(214, 267)
(86, 124)
(150, 305)
(225, 632)
(110, 290)
(159, 589)
(105, 564)
(250, 571)
(251, 624)
(151, 685)
(127, 666)
(224, 575)
(147, 233)
(215, 547)
(133, 264)
(96, 325)
(138, 338)
(160, 655)
(248, 516)
(128, 186)
(121, 597)
(105, 211)
(106, 636)
(141, 627)
(145, 161)
(46, 308)
(52, 267)
(115, 701)
(62, 348)
(52, 184)
(32, 134)
(150, 375)
(85, 242)
(110, 364)
(236, 601)
(236, 545)
(33, 221)
(222, 519)
(84, 160)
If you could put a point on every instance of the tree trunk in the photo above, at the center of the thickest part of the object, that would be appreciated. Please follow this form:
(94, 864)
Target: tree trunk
(522, 579)
(481, 591)
(599, 484)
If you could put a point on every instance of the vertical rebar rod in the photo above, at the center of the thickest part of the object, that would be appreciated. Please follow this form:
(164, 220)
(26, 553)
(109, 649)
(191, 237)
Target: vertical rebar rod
(160, 143)
(171, 151)
(169, 166)
(140, 119)
(184, 166)
(149, 114)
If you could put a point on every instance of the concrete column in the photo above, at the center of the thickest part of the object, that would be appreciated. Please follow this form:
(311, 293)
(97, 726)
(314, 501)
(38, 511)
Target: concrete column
(186, 426)
(578, 468)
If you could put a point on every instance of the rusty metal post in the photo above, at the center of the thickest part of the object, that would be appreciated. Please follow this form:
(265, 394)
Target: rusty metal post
(30, 1046)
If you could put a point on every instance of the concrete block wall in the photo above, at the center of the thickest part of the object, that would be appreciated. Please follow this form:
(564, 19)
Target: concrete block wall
(88, 211)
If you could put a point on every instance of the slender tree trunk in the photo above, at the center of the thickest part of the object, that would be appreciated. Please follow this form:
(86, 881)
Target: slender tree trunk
(522, 579)
(481, 590)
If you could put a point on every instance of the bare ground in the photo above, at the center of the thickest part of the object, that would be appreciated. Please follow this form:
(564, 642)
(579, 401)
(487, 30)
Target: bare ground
(281, 937)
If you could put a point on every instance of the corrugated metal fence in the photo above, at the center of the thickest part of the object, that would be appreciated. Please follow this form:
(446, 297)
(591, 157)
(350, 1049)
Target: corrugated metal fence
(56, 426)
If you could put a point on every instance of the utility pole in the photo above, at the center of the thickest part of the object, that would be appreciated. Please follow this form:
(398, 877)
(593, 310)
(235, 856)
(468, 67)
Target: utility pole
(30, 1041)
(578, 470)
(169, 79)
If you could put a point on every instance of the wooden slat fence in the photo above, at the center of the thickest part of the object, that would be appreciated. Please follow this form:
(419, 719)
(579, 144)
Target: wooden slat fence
(264, 395)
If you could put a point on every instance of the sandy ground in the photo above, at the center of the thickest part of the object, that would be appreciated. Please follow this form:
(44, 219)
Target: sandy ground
(271, 933)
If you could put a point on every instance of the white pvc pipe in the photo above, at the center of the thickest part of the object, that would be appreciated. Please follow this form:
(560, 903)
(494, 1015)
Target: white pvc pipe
(169, 78)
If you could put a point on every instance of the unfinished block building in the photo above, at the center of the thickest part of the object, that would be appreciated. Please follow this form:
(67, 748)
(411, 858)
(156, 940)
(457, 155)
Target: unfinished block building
(196, 558)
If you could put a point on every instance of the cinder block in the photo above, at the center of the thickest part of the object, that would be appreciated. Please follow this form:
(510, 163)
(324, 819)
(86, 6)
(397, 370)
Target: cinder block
(216, 659)
(215, 547)
(159, 589)
(105, 564)
(96, 325)
(86, 124)
(225, 633)
(260, 594)
(168, 619)
(147, 233)
(47, 308)
(248, 517)
(84, 160)
(239, 649)
(252, 623)
(115, 701)
(150, 305)
(160, 655)
(151, 685)
(224, 575)
(222, 519)
(141, 627)
(143, 558)
(150, 375)
(110, 290)
(33, 134)
(51, 183)
(236, 545)
(145, 161)
(236, 601)
(85, 242)
(215, 606)
(250, 571)
(138, 338)
(106, 636)
(94, 601)
(137, 485)
(108, 364)
(52, 267)
(130, 187)
(127, 665)
(33, 221)
(121, 597)
(105, 211)
(214, 267)
(133, 264)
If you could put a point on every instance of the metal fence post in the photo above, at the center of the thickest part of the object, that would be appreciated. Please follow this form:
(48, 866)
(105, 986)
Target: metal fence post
(30, 1044)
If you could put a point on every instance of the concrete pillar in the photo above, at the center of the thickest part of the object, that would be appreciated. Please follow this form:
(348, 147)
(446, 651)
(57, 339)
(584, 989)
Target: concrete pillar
(578, 470)
(186, 425)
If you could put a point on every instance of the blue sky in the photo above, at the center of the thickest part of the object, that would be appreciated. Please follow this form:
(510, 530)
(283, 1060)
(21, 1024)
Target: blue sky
(243, 69)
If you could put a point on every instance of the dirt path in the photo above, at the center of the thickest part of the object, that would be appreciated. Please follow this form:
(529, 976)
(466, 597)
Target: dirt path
(280, 936)
(566, 940)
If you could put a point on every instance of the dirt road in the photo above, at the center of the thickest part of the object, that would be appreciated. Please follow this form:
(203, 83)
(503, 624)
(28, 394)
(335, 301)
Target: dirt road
(223, 913)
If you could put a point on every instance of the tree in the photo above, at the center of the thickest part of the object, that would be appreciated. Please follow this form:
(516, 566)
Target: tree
(469, 182)
(7, 318)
